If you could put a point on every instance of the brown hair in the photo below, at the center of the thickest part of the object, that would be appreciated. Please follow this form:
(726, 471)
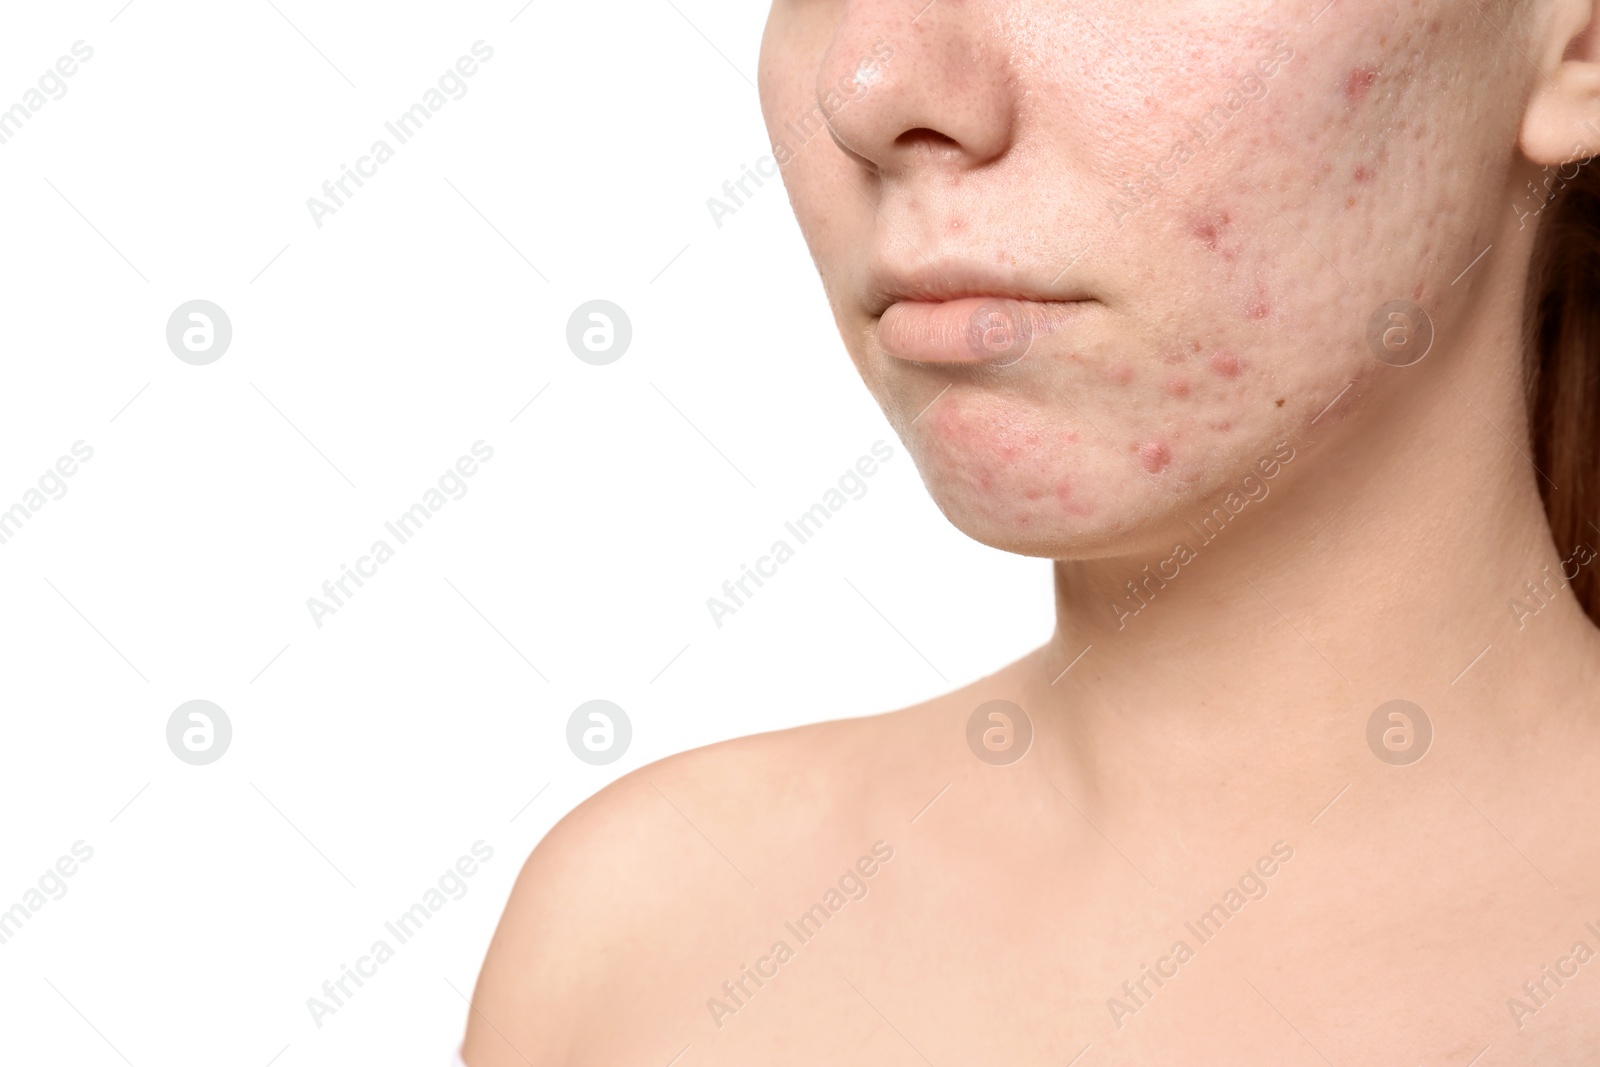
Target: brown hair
(1562, 346)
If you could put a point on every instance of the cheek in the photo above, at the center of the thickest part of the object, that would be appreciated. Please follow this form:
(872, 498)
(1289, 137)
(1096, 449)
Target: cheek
(1358, 83)
(1155, 456)
(1300, 207)
(1211, 229)
(1224, 364)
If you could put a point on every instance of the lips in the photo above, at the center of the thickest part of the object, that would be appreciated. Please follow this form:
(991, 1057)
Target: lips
(962, 309)
(996, 331)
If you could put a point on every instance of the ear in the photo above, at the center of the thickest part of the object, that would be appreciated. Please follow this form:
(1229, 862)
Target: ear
(1562, 123)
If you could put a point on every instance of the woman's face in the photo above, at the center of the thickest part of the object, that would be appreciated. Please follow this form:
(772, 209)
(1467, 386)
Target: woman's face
(1097, 258)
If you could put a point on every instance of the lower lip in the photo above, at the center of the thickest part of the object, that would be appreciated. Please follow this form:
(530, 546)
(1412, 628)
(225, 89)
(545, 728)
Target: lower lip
(994, 331)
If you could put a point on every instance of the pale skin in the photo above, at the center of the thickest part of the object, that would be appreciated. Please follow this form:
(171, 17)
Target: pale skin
(1224, 314)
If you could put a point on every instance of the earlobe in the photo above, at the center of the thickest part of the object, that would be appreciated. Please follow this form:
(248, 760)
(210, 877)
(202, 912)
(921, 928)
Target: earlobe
(1562, 122)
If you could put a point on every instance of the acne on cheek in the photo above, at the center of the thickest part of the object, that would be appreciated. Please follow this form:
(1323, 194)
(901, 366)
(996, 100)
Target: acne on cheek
(1154, 457)
(1067, 497)
(1224, 364)
(1211, 230)
(1120, 372)
(1013, 449)
(1356, 86)
(1358, 82)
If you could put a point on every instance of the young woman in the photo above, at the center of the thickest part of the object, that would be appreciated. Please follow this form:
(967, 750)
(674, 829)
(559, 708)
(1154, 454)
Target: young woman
(1273, 322)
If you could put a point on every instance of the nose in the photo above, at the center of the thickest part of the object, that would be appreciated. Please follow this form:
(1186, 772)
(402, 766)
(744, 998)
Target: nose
(910, 88)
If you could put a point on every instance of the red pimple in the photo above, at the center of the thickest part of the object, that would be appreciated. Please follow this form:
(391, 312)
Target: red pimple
(1079, 508)
(1209, 230)
(1362, 174)
(1154, 457)
(1224, 364)
(1360, 80)
(1178, 385)
(1120, 372)
(1013, 448)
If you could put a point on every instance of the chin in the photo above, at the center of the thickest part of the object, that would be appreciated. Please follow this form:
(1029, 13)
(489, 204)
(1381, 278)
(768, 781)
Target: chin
(1032, 495)
(1019, 477)
(1019, 526)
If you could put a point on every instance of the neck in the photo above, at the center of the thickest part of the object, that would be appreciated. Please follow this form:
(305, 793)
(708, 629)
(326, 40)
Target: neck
(1402, 552)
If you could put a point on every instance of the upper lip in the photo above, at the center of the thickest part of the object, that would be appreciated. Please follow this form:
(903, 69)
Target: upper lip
(936, 281)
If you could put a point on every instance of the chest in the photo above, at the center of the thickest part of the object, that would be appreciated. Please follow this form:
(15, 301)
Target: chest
(1326, 961)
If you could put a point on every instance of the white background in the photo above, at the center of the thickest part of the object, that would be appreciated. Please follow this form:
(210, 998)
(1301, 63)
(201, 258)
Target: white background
(370, 753)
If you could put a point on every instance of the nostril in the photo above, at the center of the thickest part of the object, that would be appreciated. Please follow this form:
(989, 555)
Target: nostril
(921, 135)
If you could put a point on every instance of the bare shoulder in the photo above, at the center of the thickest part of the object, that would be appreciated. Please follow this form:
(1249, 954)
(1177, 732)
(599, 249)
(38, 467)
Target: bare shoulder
(641, 894)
